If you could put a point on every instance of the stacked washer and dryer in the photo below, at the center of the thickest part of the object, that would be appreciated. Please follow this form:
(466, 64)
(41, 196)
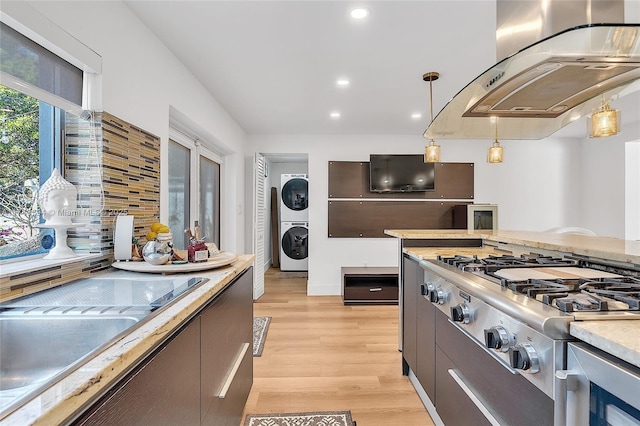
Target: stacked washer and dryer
(294, 222)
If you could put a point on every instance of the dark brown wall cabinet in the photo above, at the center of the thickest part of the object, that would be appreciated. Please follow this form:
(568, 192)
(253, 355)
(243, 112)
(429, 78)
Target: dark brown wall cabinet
(355, 212)
(201, 376)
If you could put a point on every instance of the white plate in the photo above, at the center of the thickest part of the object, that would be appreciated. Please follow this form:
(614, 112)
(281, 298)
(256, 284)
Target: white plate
(223, 259)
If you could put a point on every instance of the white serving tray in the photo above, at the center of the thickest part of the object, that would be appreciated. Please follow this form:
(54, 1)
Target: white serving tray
(224, 258)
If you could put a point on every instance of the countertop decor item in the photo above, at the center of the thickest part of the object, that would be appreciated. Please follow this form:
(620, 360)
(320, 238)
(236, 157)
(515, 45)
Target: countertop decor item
(58, 201)
(158, 251)
(222, 259)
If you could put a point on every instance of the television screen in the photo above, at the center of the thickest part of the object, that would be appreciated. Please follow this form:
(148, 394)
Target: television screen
(401, 173)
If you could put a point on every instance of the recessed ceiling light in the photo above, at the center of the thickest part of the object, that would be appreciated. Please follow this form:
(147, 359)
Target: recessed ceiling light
(335, 114)
(359, 13)
(343, 82)
(416, 115)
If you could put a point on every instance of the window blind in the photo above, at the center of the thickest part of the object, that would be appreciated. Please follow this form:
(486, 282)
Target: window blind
(31, 66)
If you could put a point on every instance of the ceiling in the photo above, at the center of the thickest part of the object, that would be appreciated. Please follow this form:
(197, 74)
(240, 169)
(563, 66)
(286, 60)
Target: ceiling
(273, 65)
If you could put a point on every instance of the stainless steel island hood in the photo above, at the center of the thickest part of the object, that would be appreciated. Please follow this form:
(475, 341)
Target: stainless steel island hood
(553, 81)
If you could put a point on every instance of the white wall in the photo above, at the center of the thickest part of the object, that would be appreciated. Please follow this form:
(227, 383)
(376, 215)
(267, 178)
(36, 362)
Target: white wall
(141, 80)
(632, 191)
(533, 193)
(604, 174)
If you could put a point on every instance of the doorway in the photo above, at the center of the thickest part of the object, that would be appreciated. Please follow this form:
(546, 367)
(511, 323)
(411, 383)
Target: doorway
(267, 231)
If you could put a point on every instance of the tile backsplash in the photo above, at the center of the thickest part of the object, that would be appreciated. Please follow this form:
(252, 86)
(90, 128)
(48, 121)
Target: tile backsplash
(115, 167)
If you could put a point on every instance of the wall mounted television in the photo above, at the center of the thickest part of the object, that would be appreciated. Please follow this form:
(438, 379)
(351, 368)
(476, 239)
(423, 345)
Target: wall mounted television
(400, 173)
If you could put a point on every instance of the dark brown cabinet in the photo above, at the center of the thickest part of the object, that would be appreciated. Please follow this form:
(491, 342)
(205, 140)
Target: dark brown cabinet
(410, 273)
(227, 355)
(370, 289)
(418, 336)
(356, 212)
(201, 375)
(163, 390)
(425, 343)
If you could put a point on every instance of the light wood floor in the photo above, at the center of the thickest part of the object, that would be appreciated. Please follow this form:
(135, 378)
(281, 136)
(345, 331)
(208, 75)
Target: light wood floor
(320, 355)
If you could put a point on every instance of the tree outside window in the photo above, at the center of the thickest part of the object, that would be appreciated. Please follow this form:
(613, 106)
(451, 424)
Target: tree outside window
(19, 173)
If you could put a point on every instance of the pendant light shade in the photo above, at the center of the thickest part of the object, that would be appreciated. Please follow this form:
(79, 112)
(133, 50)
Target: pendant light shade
(604, 122)
(431, 151)
(495, 151)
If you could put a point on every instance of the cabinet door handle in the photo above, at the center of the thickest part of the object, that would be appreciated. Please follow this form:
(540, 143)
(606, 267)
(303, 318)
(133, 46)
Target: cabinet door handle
(232, 373)
(473, 398)
(376, 289)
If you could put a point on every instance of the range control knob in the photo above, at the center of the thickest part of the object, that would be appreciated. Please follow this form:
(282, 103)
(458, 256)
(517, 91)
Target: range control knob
(426, 288)
(523, 356)
(497, 338)
(441, 296)
(461, 313)
(435, 294)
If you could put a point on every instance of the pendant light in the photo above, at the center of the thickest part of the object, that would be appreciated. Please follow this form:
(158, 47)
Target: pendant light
(495, 151)
(431, 151)
(604, 122)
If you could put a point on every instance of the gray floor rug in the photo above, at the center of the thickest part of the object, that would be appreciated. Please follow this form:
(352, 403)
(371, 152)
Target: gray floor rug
(260, 328)
(320, 418)
(290, 275)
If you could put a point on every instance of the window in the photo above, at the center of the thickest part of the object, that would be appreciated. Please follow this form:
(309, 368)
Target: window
(29, 150)
(210, 199)
(194, 190)
(37, 88)
(179, 192)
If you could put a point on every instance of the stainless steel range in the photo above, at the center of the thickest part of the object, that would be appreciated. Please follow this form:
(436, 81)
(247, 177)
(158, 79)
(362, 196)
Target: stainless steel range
(518, 309)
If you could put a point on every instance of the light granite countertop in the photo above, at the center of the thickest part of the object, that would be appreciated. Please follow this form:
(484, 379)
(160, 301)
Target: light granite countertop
(422, 253)
(55, 404)
(620, 338)
(606, 248)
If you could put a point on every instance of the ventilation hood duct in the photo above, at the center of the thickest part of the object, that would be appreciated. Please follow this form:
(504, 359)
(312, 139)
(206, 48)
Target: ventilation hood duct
(553, 81)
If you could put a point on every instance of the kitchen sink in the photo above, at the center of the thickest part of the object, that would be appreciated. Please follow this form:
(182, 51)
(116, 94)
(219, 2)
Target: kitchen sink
(47, 335)
(36, 348)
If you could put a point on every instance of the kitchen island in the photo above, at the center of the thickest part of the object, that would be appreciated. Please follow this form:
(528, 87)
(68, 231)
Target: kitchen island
(520, 336)
(618, 338)
(77, 391)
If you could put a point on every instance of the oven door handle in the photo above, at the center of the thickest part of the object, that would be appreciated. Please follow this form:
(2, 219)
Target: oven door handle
(485, 412)
(565, 381)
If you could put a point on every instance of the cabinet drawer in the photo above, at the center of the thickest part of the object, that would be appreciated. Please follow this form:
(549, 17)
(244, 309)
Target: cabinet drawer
(371, 288)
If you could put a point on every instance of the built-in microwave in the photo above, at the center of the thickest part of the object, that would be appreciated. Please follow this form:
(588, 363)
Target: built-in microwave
(476, 217)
